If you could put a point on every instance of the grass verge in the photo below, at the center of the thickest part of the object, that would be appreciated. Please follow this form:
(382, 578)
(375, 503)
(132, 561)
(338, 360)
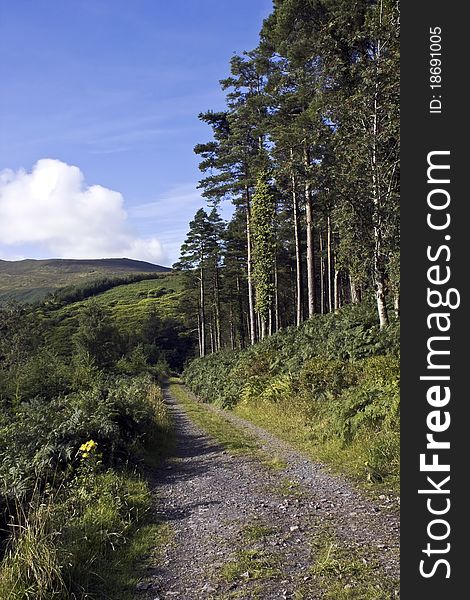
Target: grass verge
(91, 533)
(130, 565)
(287, 423)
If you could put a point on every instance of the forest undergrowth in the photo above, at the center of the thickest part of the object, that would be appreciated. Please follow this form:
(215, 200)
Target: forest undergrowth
(77, 436)
(330, 387)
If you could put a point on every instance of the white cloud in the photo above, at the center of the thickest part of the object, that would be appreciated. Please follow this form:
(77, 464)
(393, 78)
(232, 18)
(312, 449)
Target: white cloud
(54, 209)
(173, 211)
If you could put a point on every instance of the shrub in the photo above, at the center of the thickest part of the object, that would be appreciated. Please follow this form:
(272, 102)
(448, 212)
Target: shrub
(63, 504)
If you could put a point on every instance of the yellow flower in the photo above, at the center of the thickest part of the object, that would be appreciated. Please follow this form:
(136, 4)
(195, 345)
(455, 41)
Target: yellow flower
(87, 447)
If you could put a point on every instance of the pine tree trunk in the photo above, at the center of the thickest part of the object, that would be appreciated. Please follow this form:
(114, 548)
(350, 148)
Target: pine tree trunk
(276, 296)
(241, 315)
(218, 335)
(199, 331)
(354, 290)
(203, 315)
(322, 277)
(232, 330)
(251, 299)
(211, 336)
(310, 242)
(258, 323)
(329, 266)
(298, 251)
(336, 291)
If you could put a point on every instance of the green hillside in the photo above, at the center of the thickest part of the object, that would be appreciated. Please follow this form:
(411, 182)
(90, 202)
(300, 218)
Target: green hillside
(32, 280)
(129, 305)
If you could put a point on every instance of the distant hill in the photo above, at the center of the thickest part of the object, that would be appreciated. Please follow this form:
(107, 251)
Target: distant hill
(129, 305)
(31, 280)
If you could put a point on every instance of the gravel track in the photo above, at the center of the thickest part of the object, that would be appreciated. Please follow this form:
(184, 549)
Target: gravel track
(210, 497)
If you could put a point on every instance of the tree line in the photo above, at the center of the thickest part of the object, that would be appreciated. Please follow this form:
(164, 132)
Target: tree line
(307, 150)
(87, 289)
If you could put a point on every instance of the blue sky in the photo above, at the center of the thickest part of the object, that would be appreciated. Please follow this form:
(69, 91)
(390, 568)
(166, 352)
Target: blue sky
(113, 88)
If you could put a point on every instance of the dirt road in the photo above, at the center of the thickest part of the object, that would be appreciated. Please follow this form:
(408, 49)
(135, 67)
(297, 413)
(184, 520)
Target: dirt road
(243, 530)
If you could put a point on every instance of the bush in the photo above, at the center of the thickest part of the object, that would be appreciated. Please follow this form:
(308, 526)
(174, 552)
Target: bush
(74, 432)
(44, 376)
(62, 502)
(39, 437)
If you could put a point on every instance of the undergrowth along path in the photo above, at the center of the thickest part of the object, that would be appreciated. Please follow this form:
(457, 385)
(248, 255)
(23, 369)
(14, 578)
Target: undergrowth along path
(248, 527)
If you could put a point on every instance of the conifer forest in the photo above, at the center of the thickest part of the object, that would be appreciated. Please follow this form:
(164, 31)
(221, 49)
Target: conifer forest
(307, 151)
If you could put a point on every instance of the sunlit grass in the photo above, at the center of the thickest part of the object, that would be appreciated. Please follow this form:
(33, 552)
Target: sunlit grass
(129, 305)
(290, 425)
(343, 574)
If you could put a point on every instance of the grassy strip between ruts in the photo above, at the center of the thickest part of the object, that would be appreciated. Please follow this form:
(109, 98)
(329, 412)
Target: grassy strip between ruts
(252, 561)
(230, 437)
(336, 571)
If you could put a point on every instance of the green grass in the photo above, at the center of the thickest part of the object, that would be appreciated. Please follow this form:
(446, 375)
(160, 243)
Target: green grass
(162, 291)
(252, 561)
(286, 422)
(256, 531)
(288, 488)
(129, 305)
(130, 565)
(343, 575)
(160, 436)
(289, 424)
(91, 540)
(247, 565)
(256, 593)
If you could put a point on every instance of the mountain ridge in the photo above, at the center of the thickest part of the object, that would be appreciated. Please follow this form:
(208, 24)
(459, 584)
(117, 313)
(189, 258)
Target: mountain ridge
(84, 261)
(30, 280)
